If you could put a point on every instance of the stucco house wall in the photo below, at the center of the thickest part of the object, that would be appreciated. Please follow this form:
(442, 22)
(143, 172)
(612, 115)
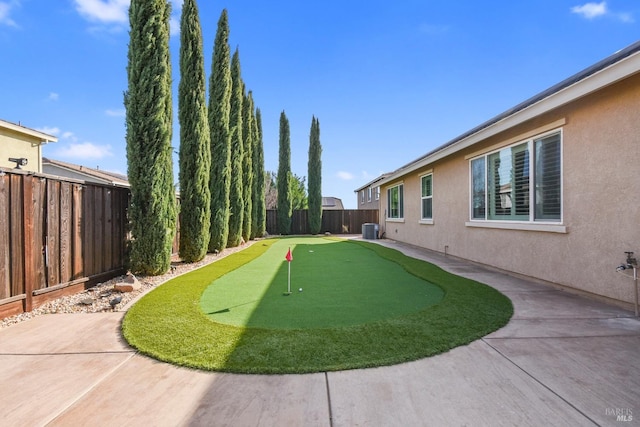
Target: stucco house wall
(367, 198)
(17, 141)
(600, 199)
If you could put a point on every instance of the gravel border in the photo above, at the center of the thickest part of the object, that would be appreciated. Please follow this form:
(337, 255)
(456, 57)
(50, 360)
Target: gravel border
(103, 298)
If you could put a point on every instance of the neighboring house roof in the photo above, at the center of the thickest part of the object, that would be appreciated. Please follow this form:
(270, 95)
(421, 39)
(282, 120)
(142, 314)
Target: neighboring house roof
(70, 170)
(41, 136)
(370, 183)
(620, 65)
(332, 203)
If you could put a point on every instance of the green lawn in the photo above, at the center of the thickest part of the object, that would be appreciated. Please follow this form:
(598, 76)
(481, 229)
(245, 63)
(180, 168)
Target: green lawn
(198, 319)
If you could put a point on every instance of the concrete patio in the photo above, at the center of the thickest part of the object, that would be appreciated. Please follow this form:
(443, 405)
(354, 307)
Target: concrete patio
(562, 360)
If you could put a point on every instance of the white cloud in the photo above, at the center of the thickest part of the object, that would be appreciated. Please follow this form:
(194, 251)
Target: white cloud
(53, 96)
(70, 136)
(596, 10)
(5, 12)
(625, 17)
(116, 113)
(591, 10)
(50, 130)
(114, 14)
(85, 150)
(347, 176)
(109, 11)
(174, 26)
(174, 21)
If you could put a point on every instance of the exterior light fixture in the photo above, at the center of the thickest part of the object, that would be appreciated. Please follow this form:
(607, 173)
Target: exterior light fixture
(20, 161)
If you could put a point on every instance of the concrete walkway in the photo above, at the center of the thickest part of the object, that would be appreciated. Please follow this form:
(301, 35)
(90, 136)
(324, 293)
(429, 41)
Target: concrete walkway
(562, 360)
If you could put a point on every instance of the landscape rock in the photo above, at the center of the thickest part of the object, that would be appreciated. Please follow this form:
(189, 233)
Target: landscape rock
(129, 284)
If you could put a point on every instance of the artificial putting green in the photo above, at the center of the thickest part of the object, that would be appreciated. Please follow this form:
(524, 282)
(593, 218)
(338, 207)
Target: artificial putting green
(169, 324)
(342, 285)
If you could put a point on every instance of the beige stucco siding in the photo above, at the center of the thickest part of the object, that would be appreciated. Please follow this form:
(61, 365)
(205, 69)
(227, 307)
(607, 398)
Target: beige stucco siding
(601, 200)
(15, 145)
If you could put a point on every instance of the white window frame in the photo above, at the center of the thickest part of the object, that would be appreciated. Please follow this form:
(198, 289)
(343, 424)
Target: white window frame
(400, 217)
(533, 224)
(369, 194)
(362, 197)
(423, 219)
(377, 192)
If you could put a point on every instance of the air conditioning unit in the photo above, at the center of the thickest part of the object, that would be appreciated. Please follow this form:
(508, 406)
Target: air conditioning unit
(369, 231)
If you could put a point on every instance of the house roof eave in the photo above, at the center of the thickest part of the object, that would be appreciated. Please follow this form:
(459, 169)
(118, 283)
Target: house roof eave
(43, 137)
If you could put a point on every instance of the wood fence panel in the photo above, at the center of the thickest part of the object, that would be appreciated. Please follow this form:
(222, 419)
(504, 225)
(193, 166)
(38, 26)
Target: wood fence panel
(299, 222)
(5, 237)
(88, 230)
(120, 227)
(332, 222)
(31, 247)
(35, 217)
(107, 255)
(98, 231)
(271, 222)
(16, 241)
(53, 233)
(77, 244)
(66, 253)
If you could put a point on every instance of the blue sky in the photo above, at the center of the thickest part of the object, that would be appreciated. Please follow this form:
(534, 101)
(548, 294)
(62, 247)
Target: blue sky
(389, 81)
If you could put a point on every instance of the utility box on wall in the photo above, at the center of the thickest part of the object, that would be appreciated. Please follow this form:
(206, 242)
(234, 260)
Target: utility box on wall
(369, 231)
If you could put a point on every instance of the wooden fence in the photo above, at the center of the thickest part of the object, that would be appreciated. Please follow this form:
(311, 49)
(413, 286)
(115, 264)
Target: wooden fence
(56, 236)
(333, 221)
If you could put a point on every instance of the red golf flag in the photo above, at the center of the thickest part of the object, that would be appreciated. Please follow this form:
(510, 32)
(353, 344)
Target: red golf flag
(289, 257)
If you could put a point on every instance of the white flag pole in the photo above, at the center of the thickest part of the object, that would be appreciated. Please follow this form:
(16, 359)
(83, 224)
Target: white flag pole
(289, 278)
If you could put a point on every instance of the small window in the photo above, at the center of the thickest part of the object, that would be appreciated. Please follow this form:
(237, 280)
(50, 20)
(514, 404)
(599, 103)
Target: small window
(427, 196)
(395, 202)
(369, 194)
(377, 192)
(362, 197)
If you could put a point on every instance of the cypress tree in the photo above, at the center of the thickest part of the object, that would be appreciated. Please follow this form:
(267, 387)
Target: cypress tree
(235, 126)
(195, 150)
(153, 209)
(248, 135)
(314, 171)
(258, 216)
(219, 109)
(284, 178)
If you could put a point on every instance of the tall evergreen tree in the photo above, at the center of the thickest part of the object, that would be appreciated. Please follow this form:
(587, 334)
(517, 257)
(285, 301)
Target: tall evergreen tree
(258, 216)
(235, 126)
(195, 150)
(314, 171)
(284, 178)
(219, 110)
(148, 103)
(248, 134)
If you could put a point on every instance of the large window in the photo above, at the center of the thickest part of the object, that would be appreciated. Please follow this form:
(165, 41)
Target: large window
(502, 182)
(427, 196)
(395, 202)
